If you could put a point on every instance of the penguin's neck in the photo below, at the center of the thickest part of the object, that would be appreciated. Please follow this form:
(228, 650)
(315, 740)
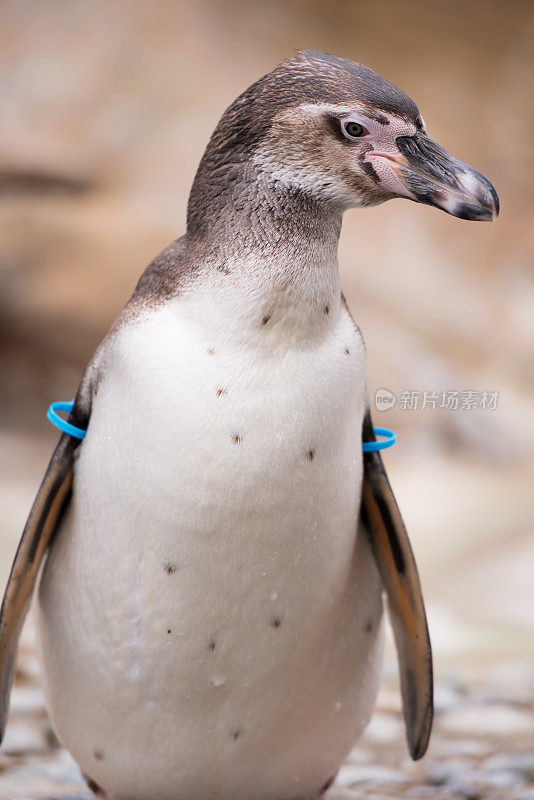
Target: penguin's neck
(269, 256)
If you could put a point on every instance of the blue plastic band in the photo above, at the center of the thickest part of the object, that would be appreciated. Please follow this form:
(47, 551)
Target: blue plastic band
(389, 441)
(79, 433)
(63, 425)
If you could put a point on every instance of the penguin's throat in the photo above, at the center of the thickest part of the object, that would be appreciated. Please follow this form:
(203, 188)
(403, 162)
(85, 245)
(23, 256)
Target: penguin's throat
(270, 275)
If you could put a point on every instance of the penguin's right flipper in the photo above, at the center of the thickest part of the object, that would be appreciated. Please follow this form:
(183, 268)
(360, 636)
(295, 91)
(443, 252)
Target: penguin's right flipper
(395, 560)
(52, 498)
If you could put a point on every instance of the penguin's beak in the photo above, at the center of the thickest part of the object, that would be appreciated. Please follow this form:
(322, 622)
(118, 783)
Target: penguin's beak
(432, 175)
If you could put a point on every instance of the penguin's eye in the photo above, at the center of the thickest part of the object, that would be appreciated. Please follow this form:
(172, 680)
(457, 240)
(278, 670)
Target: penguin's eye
(353, 130)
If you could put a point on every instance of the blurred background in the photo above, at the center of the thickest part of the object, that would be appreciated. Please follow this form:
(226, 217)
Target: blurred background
(105, 109)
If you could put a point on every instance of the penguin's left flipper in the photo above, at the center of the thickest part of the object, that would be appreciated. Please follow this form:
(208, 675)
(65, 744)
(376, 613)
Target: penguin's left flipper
(391, 547)
(52, 498)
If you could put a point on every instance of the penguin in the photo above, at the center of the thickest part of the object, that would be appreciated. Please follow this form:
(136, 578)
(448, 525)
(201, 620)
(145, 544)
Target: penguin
(209, 562)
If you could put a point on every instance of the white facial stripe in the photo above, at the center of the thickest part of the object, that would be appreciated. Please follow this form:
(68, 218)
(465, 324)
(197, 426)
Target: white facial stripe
(318, 109)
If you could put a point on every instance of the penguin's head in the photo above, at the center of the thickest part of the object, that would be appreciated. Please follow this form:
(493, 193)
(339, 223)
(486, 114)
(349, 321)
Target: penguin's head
(337, 131)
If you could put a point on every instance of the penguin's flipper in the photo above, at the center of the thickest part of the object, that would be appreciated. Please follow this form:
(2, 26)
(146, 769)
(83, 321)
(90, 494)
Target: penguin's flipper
(52, 498)
(394, 557)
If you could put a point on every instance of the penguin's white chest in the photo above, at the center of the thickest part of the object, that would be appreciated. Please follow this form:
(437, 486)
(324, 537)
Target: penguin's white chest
(210, 622)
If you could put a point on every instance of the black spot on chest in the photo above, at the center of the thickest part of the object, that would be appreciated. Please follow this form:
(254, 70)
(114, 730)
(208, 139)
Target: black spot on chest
(93, 786)
(328, 784)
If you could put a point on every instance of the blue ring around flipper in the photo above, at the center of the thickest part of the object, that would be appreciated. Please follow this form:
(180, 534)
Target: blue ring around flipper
(63, 425)
(79, 433)
(389, 441)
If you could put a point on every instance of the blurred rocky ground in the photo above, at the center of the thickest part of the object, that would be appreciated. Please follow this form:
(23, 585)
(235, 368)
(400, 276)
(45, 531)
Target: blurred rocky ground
(105, 108)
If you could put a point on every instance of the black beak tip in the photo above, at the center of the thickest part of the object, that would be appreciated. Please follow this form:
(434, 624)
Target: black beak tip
(484, 199)
(474, 212)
